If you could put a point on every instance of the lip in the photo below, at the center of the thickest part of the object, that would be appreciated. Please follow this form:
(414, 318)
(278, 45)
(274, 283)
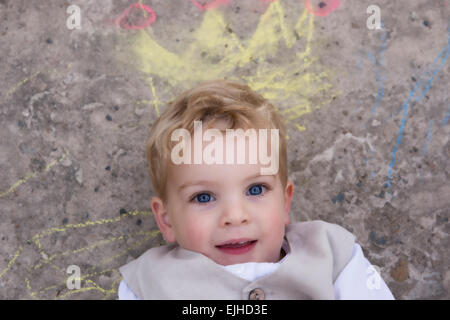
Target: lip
(239, 250)
(235, 241)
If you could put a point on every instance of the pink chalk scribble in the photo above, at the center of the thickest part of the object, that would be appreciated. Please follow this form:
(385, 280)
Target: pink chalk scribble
(324, 8)
(124, 23)
(210, 4)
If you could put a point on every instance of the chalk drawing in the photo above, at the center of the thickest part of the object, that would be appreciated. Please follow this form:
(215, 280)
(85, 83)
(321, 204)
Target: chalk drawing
(155, 101)
(90, 272)
(21, 83)
(210, 4)
(12, 261)
(30, 175)
(424, 149)
(381, 76)
(379, 66)
(223, 53)
(435, 71)
(123, 22)
(324, 7)
(442, 58)
(446, 117)
(48, 261)
(18, 85)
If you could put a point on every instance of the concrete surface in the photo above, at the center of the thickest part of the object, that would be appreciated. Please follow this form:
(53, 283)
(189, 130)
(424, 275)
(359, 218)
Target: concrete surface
(368, 116)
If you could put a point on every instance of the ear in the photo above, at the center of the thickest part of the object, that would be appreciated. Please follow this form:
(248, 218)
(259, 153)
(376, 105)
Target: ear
(288, 194)
(162, 219)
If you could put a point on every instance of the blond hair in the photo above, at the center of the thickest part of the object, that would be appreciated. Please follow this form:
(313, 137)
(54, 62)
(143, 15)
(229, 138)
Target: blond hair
(208, 102)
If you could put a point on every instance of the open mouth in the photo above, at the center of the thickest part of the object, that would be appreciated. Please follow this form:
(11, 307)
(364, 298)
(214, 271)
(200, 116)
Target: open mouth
(237, 247)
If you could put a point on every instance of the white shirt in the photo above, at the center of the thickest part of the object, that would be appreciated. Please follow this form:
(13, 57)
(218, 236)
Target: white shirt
(359, 280)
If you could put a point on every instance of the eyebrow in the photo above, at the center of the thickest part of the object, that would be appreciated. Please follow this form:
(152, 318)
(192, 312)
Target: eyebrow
(208, 182)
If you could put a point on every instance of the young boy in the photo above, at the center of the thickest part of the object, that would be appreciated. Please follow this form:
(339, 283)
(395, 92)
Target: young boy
(218, 164)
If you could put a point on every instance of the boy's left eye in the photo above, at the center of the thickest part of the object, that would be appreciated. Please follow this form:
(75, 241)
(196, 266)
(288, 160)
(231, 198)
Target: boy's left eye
(256, 190)
(202, 198)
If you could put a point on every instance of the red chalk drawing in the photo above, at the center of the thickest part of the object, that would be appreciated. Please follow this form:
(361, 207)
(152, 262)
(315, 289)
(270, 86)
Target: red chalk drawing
(210, 4)
(123, 20)
(323, 8)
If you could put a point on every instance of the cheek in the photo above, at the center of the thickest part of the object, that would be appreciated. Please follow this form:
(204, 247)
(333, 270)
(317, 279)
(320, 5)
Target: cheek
(273, 211)
(274, 220)
(196, 232)
(275, 225)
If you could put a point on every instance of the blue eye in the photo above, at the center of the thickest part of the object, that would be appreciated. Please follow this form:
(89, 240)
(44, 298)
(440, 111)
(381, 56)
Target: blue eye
(203, 197)
(256, 190)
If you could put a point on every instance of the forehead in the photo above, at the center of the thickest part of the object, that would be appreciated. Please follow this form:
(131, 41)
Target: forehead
(196, 156)
(220, 173)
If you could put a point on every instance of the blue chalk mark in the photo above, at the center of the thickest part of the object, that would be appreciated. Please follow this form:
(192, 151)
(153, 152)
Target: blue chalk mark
(427, 73)
(447, 116)
(380, 92)
(359, 79)
(358, 64)
(372, 174)
(430, 81)
(424, 149)
(380, 75)
(406, 104)
(381, 79)
(400, 132)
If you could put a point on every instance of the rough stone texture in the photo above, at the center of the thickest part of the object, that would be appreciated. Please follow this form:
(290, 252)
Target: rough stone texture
(368, 137)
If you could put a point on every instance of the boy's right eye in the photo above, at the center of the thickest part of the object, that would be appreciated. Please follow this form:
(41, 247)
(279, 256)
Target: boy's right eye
(202, 198)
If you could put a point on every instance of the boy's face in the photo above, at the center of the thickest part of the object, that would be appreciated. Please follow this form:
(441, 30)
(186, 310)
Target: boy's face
(228, 212)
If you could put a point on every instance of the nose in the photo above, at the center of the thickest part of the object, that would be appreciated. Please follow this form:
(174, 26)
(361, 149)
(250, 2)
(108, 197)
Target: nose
(234, 214)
